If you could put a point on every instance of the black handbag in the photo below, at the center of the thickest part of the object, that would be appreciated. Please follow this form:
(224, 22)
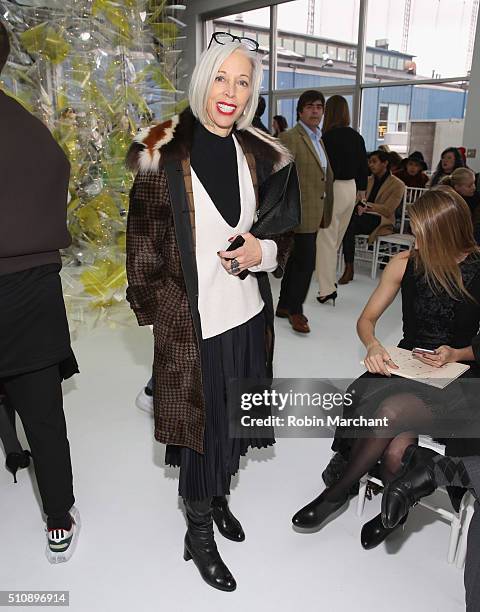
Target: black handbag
(279, 210)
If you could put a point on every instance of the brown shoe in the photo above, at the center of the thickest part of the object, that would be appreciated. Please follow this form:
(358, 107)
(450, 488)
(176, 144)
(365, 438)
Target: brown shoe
(283, 313)
(347, 275)
(299, 322)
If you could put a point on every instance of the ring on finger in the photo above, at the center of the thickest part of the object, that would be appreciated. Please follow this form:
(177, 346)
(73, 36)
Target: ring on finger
(234, 266)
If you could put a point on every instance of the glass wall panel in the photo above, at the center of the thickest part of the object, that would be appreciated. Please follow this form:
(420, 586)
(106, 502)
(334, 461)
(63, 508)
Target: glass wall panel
(310, 68)
(438, 39)
(323, 53)
(414, 118)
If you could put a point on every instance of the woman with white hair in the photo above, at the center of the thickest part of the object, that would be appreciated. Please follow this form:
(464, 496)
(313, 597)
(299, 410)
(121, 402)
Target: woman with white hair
(195, 190)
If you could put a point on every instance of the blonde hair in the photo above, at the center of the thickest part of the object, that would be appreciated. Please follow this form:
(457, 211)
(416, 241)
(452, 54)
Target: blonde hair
(204, 75)
(458, 176)
(442, 224)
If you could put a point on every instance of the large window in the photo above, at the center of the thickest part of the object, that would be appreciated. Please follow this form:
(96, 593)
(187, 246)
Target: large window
(319, 51)
(392, 118)
(427, 118)
(438, 33)
(320, 59)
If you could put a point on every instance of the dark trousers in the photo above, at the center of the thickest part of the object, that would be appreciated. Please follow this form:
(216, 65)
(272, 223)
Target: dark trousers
(37, 398)
(298, 273)
(359, 224)
(8, 435)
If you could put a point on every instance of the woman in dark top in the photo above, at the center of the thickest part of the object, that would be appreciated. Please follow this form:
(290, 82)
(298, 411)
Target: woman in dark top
(450, 160)
(279, 125)
(35, 352)
(440, 286)
(348, 158)
(412, 171)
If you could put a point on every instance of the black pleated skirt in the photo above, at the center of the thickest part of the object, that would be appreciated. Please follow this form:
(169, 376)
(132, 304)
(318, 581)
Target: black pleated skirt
(33, 323)
(237, 353)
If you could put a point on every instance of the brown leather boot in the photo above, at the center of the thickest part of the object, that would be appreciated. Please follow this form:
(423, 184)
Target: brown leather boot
(347, 275)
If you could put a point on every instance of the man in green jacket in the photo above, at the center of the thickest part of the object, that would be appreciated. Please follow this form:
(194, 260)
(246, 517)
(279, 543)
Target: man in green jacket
(316, 184)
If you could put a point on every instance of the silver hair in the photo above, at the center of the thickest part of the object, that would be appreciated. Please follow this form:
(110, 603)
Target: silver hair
(204, 75)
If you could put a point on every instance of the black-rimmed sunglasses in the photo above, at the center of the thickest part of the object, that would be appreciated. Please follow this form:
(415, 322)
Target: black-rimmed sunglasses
(223, 38)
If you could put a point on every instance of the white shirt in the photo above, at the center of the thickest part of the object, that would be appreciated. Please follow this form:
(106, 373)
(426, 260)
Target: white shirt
(316, 138)
(224, 300)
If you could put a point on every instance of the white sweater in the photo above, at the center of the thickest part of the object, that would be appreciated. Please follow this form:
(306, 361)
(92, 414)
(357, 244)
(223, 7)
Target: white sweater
(224, 300)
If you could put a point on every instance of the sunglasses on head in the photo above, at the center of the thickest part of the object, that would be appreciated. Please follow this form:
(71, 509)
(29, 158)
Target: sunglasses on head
(223, 38)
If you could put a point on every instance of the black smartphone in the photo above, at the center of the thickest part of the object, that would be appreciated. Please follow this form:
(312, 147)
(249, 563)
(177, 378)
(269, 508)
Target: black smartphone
(236, 244)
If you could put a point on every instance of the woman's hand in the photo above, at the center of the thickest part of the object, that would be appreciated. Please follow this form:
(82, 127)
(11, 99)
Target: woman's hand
(248, 255)
(443, 354)
(361, 196)
(378, 359)
(361, 208)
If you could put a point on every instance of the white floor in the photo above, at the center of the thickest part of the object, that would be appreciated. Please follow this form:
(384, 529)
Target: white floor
(129, 555)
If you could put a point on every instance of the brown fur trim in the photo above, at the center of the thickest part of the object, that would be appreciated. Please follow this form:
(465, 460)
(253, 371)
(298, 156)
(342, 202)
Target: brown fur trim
(172, 139)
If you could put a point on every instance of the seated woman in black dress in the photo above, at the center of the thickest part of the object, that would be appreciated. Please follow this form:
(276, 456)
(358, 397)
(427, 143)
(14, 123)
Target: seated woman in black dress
(440, 287)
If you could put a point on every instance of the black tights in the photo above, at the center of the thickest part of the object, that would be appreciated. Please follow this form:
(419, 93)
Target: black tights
(406, 414)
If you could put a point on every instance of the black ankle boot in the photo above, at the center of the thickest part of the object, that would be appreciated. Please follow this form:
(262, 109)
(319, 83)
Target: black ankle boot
(16, 461)
(317, 511)
(374, 533)
(228, 525)
(200, 546)
(416, 480)
(335, 470)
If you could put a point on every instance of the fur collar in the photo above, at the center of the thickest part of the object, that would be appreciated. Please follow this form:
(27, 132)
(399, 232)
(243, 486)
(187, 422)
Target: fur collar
(172, 139)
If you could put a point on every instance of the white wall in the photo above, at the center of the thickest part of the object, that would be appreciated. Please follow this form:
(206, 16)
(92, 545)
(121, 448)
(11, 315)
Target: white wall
(447, 134)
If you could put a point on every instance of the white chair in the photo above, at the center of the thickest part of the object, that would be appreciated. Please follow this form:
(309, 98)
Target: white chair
(363, 252)
(466, 512)
(390, 245)
(459, 522)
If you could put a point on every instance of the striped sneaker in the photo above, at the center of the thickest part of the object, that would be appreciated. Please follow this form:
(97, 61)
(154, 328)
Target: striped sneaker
(60, 542)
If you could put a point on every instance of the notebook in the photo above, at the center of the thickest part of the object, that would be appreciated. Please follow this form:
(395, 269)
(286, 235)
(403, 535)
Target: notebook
(414, 369)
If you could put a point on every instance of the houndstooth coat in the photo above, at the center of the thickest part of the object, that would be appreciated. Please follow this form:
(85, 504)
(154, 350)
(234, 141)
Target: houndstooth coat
(161, 266)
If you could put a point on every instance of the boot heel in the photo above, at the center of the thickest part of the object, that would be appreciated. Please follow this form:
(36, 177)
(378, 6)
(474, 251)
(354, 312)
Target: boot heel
(186, 555)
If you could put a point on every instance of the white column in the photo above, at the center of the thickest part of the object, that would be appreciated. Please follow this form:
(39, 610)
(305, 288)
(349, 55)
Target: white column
(360, 76)
(471, 130)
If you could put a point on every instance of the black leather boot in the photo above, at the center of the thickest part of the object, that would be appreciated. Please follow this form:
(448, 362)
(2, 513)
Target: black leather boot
(200, 546)
(335, 470)
(416, 480)
(374, 533)
(228, 525)
(317, 511)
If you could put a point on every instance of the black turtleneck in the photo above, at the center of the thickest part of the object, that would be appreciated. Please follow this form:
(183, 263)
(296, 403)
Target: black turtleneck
(377, 184)
(214, 159)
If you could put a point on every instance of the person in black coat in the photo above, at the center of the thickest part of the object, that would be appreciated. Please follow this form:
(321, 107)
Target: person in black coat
(450, 160)
(35, 351)
(257, 119)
